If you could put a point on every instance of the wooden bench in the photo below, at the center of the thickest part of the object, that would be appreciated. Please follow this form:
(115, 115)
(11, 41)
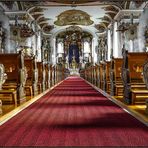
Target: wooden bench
(47, 77)
(104, 78)
(51, 75)
(1, 111)
(107, 70)
(139, 96)
(96, 75)
(16, 73)
(59, 72)
(32, 79)
(119, 88)
(132, 69)
(13, 94)
(115, 74)
(41, 76)
(145, 78)
(101, 75)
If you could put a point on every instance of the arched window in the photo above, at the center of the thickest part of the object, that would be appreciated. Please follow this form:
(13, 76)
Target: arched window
(86, 47)
(60, 48)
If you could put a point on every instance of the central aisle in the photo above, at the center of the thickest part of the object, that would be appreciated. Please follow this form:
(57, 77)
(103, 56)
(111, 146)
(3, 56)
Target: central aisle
(73, 114)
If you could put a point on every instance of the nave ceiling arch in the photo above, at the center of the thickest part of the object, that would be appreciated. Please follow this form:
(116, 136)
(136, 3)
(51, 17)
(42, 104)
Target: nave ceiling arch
(95, 16)
(38, 9)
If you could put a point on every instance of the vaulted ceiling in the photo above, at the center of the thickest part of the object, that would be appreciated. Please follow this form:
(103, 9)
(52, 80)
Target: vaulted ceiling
(56, 15)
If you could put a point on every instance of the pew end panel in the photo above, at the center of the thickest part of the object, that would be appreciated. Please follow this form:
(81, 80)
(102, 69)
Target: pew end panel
(132, 73)
(115, 74)
(32, 79)
(47, 81)
(1, 111)
(107, 69)
(16, 73)
(41, 76)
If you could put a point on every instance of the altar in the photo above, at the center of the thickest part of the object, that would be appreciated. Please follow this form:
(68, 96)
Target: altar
(74, 67)
(74, 72)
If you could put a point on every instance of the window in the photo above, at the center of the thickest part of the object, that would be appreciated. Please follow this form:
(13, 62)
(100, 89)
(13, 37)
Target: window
(60, 48)
(86, 47)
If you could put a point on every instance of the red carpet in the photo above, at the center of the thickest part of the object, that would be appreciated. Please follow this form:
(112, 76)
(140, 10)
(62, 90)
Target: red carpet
(73, 114)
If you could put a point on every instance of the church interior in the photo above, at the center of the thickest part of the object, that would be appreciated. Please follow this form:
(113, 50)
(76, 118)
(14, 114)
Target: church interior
(74, 73)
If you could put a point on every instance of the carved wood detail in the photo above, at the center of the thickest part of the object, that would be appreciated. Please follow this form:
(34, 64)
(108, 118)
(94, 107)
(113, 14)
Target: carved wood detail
(145, 73)
(126, 77)
(112, 78)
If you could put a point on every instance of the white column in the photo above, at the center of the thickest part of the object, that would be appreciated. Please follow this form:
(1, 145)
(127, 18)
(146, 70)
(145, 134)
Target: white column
(131, 46)
(38, 46)
(94, 44)
(54, 51)
(115, 41)
(109, 44)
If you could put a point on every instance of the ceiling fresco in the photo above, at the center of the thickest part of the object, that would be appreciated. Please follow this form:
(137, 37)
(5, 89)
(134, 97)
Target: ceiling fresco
(73, 1)
(55, 15)
(73, 17)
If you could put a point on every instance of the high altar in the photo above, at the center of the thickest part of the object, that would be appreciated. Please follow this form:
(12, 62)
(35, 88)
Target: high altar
(73, 55)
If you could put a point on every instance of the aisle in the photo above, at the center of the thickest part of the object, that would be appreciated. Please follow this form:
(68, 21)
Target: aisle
(73, 114)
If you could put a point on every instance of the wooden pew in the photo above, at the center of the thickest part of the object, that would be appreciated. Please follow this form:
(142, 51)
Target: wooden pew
(82, 73)
(63, 73)
(145, 73)
(41, 76)
(115, 74)
(60, 72)
(101, 75)
(11, 92)
(145, 78)
(86, 74)
(16, 74)
(107, 70)
(32, 79)
(1, 111)
(47, 77)
(132, 75)
(96, 75)
(93, 75)
(89, 74)
(139, 96)
(51, 75)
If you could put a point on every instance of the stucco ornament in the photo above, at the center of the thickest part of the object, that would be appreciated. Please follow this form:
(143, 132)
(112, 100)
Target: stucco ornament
(73, 17)
(131, 33)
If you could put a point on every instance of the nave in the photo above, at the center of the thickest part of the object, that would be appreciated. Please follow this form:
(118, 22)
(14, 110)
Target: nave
(73, 114)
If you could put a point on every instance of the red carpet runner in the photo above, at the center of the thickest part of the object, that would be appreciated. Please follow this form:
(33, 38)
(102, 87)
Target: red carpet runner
(73, 114)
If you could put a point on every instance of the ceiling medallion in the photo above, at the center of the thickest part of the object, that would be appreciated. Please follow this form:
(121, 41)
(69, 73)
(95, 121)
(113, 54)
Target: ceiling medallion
(73, 17)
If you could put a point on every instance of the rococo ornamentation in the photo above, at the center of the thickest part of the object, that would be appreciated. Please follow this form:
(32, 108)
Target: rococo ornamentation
(73, 17)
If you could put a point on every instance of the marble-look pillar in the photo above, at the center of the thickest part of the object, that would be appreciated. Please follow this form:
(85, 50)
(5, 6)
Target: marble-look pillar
(109, 43)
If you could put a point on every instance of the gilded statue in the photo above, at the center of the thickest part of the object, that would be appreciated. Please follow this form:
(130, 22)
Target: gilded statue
(73, 63)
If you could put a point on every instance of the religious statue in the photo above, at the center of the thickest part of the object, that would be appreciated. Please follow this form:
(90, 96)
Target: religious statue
(73, 64)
